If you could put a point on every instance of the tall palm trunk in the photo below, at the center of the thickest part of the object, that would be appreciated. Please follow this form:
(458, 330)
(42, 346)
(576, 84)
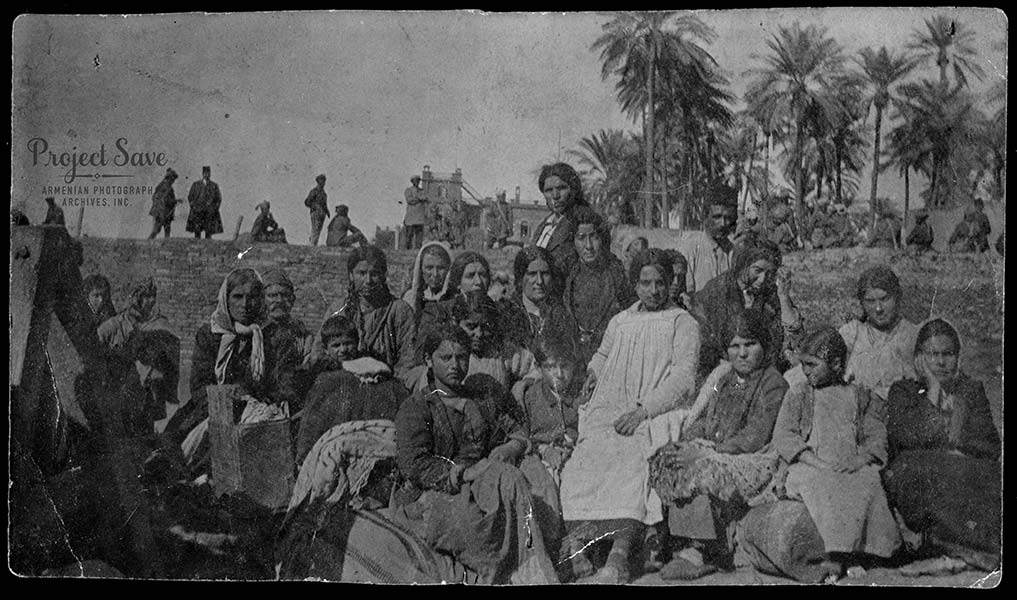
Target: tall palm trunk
(665, 212)
(799, 174)
(875, 163)
(766, 180)
(748, 172)
(648, 136)
(907, 203)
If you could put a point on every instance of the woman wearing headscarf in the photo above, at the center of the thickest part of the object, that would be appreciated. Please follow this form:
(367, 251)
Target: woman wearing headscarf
(98, 295)
(429, 286)
(751, 282)
(644, 369)
(944, 471)
(232, 348)
(535, 311)
(597, 288)
(881, 342)
(385, 323)
(141, 336)
(563, 192)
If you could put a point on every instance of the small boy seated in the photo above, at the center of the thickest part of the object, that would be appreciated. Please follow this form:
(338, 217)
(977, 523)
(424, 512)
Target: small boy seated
(551, 406)
(346, 387)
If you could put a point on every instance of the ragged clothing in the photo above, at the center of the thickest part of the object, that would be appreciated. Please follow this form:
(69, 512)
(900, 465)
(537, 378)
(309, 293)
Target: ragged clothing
(837, 423)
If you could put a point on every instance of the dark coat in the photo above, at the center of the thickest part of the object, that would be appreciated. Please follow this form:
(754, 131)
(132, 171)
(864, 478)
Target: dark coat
(205, 201)
(716, 306)
(282, 357)
(914, 423)
(592, 312)
(338, 397)
(317, 201)
(562, 244)
(164, 202)
(431, 437)
(741, 419)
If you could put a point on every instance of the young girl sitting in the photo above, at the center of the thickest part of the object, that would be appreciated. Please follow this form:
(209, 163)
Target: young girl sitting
(833, 435)
(346, 388)
(716, 469)
(461, 494)
(551, 407)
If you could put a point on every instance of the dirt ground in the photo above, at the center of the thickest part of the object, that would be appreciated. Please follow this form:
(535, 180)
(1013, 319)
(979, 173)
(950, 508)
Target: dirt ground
(877, 577)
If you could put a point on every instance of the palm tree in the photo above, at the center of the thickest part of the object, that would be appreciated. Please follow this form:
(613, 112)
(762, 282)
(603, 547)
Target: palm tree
(882, 70)
(796, 84)
(942, 122)
(609, 162)
(632, 47)
(947, 41)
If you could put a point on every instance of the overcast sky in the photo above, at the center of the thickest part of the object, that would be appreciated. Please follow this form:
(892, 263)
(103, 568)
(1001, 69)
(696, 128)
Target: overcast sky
(271, 100)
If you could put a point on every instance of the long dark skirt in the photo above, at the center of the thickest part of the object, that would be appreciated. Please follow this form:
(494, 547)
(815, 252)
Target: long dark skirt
(950, 499)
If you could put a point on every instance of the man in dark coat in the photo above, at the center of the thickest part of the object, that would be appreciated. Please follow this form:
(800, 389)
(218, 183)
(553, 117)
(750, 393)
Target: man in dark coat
(204, 199)
(54, 214)
(416, 212)
(164, 204)
(317, 201)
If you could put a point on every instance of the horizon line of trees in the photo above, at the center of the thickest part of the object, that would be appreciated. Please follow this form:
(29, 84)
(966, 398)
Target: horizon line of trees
(806, 117)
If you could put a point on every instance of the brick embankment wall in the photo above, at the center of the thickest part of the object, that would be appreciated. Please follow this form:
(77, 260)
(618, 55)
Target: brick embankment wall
(966, 289)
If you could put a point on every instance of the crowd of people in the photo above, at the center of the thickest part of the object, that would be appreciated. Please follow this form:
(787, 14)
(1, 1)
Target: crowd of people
(601, 418)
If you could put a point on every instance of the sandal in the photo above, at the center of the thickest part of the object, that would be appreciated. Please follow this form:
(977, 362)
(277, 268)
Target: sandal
(684, 569)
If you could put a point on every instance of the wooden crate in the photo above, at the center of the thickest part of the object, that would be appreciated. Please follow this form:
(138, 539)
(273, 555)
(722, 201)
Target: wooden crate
(254, 458)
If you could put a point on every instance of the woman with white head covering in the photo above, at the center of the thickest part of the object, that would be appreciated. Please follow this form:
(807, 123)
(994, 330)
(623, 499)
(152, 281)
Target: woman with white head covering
(232, 349)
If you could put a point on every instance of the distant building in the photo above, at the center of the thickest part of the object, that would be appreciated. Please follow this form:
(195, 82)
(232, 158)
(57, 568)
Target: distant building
(525, 217)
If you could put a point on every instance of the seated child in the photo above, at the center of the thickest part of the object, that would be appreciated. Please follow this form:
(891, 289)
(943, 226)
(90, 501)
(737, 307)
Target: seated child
(346, 388)
(833, 436)
(551, 407)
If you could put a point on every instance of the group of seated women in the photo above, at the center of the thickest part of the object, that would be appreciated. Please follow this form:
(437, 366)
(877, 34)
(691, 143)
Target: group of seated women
(564, 432)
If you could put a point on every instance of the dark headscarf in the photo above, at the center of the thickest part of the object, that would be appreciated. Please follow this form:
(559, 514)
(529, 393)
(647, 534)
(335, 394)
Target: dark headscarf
(745, 256)
(98, 282)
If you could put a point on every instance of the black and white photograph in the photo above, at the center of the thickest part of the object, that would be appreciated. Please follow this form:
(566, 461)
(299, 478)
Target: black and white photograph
(655, 298)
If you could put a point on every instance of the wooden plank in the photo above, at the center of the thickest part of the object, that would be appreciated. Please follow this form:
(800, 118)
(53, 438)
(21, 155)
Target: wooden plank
(222, 437)
(266, 462)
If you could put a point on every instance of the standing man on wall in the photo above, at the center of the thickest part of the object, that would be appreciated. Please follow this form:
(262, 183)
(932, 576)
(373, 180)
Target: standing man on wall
(317, 201)
(205, 200)
(164, 204)
(416, 209)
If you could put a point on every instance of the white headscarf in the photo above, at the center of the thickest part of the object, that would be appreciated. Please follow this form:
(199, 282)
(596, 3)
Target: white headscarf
(419, 292)
(222, 322)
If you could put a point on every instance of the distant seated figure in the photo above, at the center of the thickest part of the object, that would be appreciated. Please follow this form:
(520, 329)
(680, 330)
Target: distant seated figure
(54, 214)
(959, 238)
(18, 218)
(841, 233)
(820, 226)
(265, 228)
(341, 231)
(981, 228)
(781, 233)
(921, 235)
(886, 232)
(1001, 244)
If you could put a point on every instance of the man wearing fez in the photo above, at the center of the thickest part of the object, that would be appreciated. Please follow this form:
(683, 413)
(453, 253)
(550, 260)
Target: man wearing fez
(164, 204)
(317, 201)
(204, 199)
(416, 209)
